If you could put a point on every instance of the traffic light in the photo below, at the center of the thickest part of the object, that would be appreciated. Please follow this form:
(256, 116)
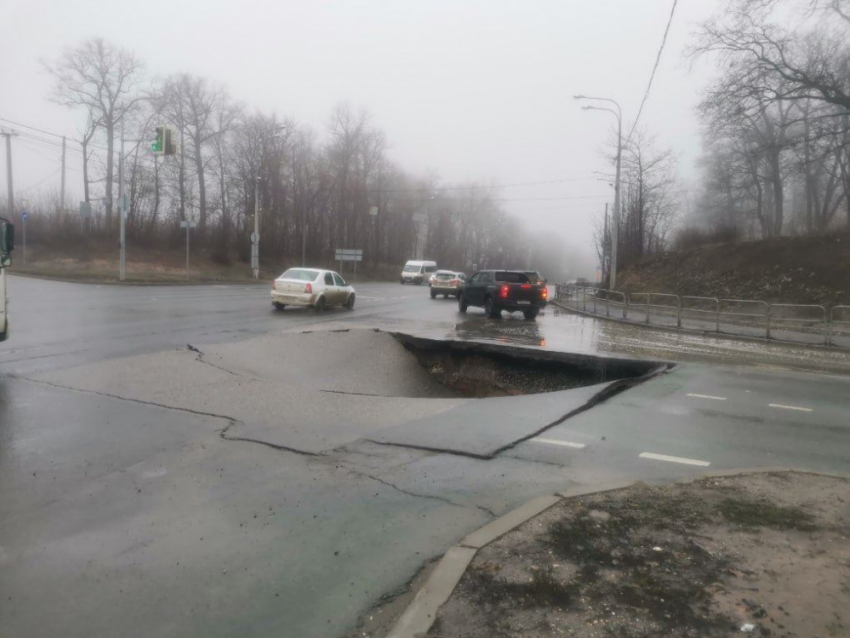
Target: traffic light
(159, 142)
(163, 144)
(169, 148)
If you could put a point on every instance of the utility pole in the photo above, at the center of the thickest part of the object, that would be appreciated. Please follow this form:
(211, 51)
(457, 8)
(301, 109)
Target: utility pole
(616, 220)
(121, 205)
(255, 236)
(606, 246)
(10, 190)
(62, 188)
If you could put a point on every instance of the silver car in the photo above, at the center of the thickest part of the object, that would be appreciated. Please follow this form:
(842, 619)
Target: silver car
(312, 288)
(446, 282)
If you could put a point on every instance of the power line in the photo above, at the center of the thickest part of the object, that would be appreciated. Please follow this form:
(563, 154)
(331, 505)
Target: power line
(654, 69)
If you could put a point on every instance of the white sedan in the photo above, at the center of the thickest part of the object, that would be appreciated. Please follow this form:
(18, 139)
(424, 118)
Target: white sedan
(311, 287)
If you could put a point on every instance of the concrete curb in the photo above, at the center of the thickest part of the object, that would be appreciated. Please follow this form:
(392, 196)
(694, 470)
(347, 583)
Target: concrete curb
(702, 333)
(420, 615)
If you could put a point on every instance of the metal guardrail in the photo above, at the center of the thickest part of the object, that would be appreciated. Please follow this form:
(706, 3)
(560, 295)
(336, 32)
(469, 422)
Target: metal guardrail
(833, 322)
(715, 312)
(796, 323)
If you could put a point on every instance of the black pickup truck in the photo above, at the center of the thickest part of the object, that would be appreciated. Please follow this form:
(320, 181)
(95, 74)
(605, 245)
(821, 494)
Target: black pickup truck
(498, 290)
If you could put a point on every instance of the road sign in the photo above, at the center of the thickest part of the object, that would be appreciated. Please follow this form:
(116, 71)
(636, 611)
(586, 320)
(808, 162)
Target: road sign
(24, 215)
(373, 211)
(348, 254)
(255, 238)
(85, 209)
(188, 224)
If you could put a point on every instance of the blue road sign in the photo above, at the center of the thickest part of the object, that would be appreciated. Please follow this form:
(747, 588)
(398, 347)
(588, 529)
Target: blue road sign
(24, 215)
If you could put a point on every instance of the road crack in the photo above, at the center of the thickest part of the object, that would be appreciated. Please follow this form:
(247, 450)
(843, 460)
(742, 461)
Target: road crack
(223, 433)
(200, 358)
(442, 499)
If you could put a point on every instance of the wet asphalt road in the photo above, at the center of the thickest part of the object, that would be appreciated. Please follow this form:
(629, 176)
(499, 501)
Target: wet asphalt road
(126, 509)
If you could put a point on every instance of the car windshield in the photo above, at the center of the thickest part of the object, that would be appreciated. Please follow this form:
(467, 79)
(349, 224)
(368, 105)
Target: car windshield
(412, 268)
(512, 277)
(300, 274)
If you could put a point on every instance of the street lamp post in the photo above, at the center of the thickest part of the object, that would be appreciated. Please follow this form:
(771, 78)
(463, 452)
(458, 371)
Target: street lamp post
(616, 217)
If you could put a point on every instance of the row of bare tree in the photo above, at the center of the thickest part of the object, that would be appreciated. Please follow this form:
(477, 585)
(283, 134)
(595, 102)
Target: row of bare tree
(313, 195)
(649, 206)
(777, 118)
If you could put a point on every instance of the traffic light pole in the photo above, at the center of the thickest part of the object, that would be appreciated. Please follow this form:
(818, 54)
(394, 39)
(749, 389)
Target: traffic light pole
(255, 239)
(121, 207)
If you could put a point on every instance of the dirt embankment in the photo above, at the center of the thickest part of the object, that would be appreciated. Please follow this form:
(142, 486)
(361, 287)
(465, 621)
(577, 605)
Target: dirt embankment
(758, 555)
(787, 269)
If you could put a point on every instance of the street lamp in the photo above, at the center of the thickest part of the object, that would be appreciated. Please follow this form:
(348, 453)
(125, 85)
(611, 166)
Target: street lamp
(616, 230)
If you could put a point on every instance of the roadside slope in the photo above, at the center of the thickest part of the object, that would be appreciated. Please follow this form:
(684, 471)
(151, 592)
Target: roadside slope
(787, 269)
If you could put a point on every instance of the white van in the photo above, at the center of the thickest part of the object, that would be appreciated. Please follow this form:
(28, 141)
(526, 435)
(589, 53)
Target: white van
(415, 272)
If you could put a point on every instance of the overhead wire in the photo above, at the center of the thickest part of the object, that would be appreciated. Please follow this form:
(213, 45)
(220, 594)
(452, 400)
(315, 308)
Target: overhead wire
(654, 69)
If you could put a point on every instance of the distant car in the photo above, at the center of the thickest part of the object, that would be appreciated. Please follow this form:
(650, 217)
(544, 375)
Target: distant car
(313, 288)
(498, 290)
(416, 272)
(446, 282)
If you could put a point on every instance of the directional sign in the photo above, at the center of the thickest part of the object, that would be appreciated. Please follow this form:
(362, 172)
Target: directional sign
(24, 215)
(348, 254)
(188, 224)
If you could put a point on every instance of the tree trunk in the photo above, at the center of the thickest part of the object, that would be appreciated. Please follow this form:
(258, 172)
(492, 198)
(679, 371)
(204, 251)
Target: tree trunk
(110, 148)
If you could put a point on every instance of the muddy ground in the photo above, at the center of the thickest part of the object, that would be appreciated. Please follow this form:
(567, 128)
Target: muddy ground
(759, 555)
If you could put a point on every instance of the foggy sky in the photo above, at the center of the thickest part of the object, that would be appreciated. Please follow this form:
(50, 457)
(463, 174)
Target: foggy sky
(468, 89)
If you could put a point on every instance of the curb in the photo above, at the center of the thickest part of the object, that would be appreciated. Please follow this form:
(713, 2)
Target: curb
(420, 615)
(702, 333)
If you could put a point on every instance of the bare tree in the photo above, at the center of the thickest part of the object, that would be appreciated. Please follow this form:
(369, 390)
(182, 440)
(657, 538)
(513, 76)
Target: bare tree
(104, 79)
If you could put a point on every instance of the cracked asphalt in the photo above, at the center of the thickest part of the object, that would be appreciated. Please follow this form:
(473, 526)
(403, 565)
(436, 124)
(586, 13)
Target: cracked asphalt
(150, 489)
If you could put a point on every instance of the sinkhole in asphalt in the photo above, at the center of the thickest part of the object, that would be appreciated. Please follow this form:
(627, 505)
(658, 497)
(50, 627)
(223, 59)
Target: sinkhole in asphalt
(479, 370)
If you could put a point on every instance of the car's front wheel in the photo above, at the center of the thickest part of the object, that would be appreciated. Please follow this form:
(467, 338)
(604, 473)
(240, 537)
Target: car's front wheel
(461, 303)
(402, 280)
(349, 303)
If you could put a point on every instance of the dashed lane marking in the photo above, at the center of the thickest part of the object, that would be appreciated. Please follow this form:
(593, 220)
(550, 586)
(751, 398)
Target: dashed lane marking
(558, 442)
(673, 459)
(706, 396)
(789, 407)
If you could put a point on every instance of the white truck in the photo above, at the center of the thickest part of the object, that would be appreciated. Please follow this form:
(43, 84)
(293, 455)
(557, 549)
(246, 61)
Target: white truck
(7, 244)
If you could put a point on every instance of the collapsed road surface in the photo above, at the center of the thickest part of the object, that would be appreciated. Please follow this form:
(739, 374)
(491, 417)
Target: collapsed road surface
(289, 471)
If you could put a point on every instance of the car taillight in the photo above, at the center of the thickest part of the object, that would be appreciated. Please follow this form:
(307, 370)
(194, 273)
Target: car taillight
(308, 289)
(455, 282)
(503, 292)
(544, 294)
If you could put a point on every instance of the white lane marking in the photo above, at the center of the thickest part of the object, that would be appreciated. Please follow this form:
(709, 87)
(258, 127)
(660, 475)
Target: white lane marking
(538, 439)
(706, 396)
(789, 407)
(673, 459)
